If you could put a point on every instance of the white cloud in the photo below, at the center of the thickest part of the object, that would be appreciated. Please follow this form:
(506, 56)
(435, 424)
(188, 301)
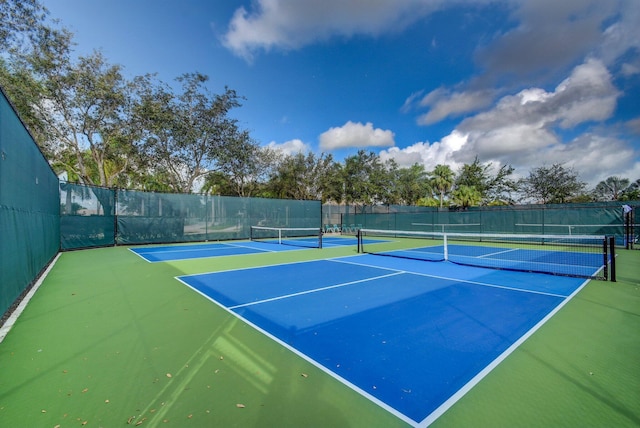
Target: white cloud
(522, 130)
(291, 147)
(356, 135)
(444, 103)
(429, 154)
(586, 95)
(623, 35)
(290, 24)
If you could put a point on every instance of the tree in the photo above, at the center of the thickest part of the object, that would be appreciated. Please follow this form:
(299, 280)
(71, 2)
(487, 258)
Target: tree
(442, 181)
(611, 189)
(364, 179)
(245, 164)
(412, 183)
(18, 19)
(303, 176)
(555, 184)
(492, 188)
(632, 192)
(466, 196)
(185, 133)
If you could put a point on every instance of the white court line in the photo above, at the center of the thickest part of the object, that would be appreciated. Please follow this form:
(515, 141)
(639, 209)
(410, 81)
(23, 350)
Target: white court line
(25, 301)
(466, 281)
(307, 358)
(484, 372)
(393, 272)
(315, 290)
(498, 252)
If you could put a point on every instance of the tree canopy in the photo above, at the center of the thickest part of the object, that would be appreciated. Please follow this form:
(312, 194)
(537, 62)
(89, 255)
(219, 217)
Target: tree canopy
(97, 126)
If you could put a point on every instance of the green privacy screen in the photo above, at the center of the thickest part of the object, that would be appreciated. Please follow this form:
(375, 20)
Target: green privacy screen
(29, 208)
(87, 216)
(93, 216)
(604, 218)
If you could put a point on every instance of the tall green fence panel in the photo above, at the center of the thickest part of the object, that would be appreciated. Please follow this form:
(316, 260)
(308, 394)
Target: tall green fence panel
(602, 218)
(87, 216)
(29, 216)
(144, 217)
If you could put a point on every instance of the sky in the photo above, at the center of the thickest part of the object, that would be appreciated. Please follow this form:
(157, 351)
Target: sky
(510, 82)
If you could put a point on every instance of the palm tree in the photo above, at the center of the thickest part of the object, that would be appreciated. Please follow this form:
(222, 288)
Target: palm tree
(442, 181)
(611, 188)
(466, 196)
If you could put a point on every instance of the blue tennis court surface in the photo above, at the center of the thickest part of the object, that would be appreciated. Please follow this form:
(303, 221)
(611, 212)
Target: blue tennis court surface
(409, 335)
(164, 253)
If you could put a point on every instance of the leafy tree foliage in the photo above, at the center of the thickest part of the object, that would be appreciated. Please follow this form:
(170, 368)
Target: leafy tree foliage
(187, 134)
(19, 19)
(98, 127)
(442, 179)
(466, 196)
(364, 179)
(303, 176)
(554, 184)
(611, 189)
(491, 188)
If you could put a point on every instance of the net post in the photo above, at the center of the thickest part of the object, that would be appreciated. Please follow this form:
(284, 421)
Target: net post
(446, 248)
(612, 254)
(320, 238)
(115, 216)
(359, 240)
(279, 236)
(605, 257)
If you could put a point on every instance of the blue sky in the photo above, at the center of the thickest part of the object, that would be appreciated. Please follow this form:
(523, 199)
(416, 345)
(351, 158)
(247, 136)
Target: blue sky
(524, 83)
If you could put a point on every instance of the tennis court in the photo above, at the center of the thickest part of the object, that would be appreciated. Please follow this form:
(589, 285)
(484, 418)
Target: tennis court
(165, 253)
(410, 336)
(319, 338)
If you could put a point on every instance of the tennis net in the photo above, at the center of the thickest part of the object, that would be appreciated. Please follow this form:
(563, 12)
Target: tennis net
(310, 237)
(584, 256)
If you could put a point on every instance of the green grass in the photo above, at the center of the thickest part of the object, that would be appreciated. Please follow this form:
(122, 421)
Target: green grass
(110, 339)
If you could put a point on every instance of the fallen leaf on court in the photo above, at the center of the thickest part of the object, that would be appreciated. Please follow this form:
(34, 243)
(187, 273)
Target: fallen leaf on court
(190, 416)
(240, 406)
(130, 420)
(169, 375)
(304, 375)
(85, 390)
(44, 411)
(140, 421)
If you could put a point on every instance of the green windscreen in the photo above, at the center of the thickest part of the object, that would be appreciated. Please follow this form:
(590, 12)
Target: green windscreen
(94, 216)
(29, 208)
(603, 218)
(87, 216)
(144, 217)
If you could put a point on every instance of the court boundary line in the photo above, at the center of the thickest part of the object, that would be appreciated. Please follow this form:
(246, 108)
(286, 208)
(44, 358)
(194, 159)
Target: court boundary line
(440, 410)
(466, 281)
(315, 290)
(456, 396)
(9, 323)
(252, 267)
(258, 251)
(307, 358)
